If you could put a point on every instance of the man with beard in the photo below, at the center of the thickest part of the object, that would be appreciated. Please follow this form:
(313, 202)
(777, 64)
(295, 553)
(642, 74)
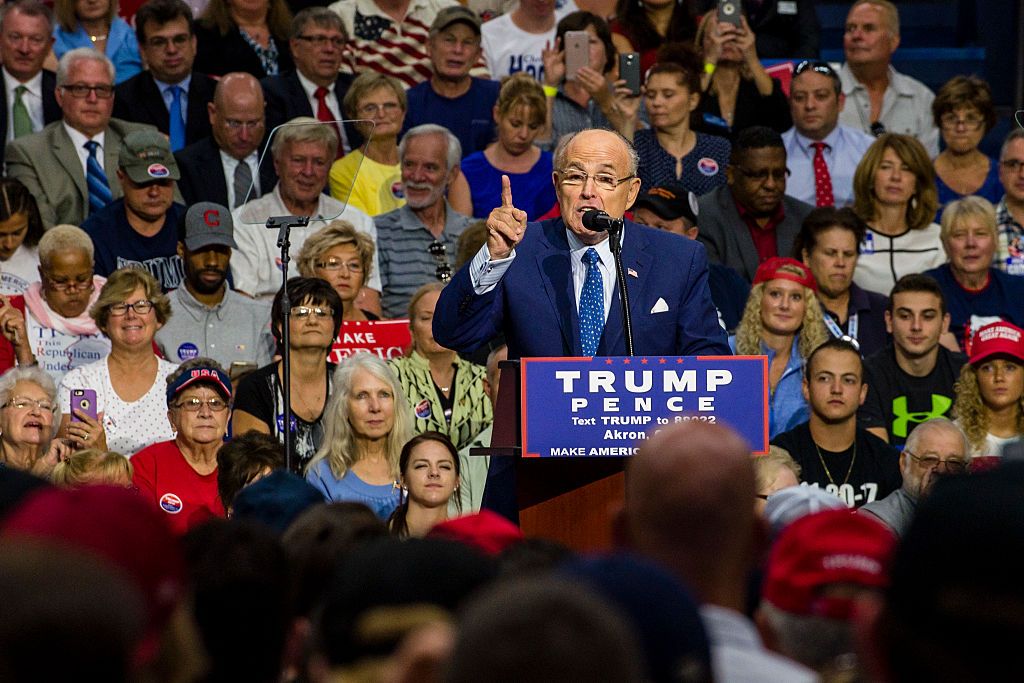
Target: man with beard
(833, 451)
(209, 318)
(417, 241)
(751, 219)
(936, 448)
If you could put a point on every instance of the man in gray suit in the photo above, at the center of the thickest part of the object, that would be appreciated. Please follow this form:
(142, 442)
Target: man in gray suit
(69, 165)
(750, 219)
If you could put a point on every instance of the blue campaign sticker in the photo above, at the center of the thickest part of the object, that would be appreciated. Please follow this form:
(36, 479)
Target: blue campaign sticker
(398, 190)
(170, 503)
(188, 351)
(280, 423)
(607, 407)
(868, 245)
(423, 409)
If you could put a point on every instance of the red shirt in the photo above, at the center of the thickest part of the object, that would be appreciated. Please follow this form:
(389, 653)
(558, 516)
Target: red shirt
(163, 476)
(763, 235)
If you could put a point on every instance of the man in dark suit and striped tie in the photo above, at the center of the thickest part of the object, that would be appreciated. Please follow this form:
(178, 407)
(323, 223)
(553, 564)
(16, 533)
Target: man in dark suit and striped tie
(69, 165)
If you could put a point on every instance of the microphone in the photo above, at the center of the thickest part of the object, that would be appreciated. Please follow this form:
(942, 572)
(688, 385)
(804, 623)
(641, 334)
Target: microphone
(599, 221)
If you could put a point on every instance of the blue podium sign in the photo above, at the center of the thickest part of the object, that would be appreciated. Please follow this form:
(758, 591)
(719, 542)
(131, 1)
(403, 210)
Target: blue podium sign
(606, 407)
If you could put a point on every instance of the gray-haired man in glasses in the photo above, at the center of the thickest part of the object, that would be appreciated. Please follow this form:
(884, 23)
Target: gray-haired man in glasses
(417, 242)
(821, 153)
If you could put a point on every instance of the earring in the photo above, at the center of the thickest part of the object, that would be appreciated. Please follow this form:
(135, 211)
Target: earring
(913, 202)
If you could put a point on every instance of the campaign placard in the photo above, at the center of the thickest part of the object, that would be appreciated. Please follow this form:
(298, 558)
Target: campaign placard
(607, 407)
(386, 338)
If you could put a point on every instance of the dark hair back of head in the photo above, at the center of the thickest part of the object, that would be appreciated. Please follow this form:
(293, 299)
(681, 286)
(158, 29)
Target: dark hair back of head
(755, 137)
(825, 218)
(239, 577)
(242, 459)
(918, 282)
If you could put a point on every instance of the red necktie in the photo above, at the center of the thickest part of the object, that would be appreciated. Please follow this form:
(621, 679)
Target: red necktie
(822, 179)
(324, 114)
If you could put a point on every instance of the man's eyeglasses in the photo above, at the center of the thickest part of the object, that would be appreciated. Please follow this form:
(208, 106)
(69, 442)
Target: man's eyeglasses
(81, 91)
(952, 121)
(321, 41)
(1012, 165)
(70, 285)
(235, 124)
(333, 264)
(23, 402)
(776, 174)
(605, 181)
(303, 312)
(140, 307)
(439, 251)
(194, 405)
(953, 465)
(816, 66)
(161, 43)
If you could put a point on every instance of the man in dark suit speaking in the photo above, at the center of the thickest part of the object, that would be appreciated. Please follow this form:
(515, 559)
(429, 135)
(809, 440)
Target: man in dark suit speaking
(551, 288)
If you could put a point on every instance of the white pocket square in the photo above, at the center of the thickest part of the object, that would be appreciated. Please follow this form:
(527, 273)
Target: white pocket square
(660, 306)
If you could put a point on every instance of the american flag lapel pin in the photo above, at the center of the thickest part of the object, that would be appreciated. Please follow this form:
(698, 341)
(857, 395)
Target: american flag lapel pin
(631, 273)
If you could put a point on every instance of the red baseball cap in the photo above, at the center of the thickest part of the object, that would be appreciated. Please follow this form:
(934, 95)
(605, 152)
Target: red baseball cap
(998, 338)
(823, 549)
(486, 531)
(782, 268)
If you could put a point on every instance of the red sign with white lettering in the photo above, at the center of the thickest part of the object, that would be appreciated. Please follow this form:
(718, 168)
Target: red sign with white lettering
(387, 338)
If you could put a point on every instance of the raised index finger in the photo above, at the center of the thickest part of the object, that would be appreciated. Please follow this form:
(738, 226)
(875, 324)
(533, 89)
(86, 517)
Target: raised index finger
(506, 192)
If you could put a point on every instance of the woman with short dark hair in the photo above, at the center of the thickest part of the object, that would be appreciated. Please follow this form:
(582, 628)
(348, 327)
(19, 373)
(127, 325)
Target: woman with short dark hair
(964, 114)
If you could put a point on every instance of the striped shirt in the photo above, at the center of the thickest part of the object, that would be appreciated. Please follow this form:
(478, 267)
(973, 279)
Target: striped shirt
(405, 262)
(378, 43)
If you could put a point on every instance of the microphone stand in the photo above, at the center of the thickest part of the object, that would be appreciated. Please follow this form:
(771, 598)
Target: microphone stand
(615, 237)
(283, 225)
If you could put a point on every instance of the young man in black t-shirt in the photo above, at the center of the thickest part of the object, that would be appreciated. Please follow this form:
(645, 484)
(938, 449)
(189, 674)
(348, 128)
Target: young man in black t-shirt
(833, 451)
(912, 380)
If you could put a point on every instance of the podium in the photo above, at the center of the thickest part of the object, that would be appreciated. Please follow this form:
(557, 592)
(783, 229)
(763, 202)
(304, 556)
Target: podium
(569, 500)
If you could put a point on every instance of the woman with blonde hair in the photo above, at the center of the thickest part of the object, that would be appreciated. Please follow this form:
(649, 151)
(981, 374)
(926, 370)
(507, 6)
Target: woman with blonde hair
(366, 424)
(342, 256)
(989, 403)
(446, 391)
(130, 407)
(95, 24)
(244, 35)
(894, 193)
(782, 320)
(521, 115)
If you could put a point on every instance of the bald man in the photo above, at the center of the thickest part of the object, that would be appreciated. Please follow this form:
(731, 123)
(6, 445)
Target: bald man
(688, 507)
(221, 168)
(550, 287)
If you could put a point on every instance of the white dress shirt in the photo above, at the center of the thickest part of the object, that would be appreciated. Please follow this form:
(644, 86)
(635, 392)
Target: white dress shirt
(332, 105)
(78, 139)
(229, 163)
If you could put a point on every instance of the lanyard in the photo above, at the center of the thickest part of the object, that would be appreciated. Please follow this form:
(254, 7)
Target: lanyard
(836, 331)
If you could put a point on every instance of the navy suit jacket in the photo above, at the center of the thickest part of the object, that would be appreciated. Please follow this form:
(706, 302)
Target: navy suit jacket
(286, 99)
(51, 110)
(535, 305)
(202, 173)
(138, 99)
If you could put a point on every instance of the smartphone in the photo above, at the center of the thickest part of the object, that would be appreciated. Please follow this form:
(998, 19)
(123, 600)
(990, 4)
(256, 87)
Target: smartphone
(577, 52)
(729, 12)
(629, 71)
(83, 400)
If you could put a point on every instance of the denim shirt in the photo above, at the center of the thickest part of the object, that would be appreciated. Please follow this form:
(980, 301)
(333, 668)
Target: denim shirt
(786, 405)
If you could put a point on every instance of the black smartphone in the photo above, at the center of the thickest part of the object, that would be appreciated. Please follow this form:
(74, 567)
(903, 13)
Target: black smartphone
(729, 12)
(629, 71)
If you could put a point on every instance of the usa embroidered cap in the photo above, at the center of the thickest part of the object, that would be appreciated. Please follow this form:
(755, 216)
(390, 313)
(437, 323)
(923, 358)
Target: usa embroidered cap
(830, 548)
(783, 268)
(207, 224)
(210, 374)
(997, 339)
(145, 156)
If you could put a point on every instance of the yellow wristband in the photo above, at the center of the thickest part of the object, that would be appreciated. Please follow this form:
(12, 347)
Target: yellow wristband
(550, 91)
(709, 68)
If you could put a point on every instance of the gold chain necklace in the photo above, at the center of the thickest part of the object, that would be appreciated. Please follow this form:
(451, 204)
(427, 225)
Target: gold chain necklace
(853, 459)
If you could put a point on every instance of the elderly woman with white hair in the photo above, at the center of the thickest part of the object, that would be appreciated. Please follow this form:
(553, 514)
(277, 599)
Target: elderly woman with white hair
(57, 330)
(368, 421)
(28, 404)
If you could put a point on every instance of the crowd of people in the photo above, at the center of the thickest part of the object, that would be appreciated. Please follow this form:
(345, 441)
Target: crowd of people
(843, 223)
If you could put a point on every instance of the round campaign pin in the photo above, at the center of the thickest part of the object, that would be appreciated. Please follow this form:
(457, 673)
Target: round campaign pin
(707, 166)
(188, 351)
(423, 409)
(158, 171)
(170, 503)
(397, 190)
